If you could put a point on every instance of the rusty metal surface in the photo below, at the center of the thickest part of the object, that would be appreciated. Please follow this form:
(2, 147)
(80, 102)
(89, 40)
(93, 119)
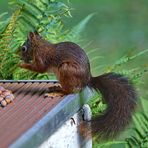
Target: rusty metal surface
(28, 107)
(53, 120)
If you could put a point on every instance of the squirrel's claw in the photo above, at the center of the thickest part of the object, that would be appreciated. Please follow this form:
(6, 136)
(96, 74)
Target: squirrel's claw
(53, 94)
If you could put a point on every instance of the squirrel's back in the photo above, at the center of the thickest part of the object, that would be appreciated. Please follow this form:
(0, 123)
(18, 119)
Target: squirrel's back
(72, 52)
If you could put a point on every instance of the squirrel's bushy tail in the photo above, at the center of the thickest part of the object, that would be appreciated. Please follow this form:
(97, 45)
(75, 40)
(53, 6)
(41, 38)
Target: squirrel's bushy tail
(120, 97)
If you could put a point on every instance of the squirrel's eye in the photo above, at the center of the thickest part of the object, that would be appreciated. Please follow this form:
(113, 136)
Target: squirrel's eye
(24, 48)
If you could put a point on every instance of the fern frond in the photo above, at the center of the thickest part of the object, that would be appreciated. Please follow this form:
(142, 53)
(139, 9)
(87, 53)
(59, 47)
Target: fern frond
(7, 58)
(74, 33)
(3, 22)
(44, 16)
(126, 58)
(139, 137)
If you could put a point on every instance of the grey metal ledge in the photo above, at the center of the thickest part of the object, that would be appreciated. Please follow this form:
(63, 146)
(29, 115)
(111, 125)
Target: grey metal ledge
(45, 127)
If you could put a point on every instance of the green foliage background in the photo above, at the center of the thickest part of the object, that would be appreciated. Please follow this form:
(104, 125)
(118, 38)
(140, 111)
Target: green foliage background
(113, 40)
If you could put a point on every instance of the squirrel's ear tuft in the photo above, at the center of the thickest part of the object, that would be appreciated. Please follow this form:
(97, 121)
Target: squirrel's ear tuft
(31, 36)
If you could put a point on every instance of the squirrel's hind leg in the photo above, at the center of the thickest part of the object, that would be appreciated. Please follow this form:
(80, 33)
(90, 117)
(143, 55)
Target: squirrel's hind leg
(70, 77)
(54, 91)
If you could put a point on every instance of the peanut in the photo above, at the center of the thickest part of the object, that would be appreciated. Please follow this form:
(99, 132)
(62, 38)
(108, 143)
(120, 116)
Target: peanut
(3, 103)
(1, 98)
(2, 88)
(6, 96)
(9, 98)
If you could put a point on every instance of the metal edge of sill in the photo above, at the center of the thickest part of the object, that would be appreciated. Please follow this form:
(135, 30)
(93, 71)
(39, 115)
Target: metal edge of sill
(28, 81)
(46, 126)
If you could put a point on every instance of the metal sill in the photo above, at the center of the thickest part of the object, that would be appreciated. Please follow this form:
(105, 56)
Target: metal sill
(45, 127)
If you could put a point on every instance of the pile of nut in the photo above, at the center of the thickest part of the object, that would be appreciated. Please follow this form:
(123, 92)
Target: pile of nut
(6, 96)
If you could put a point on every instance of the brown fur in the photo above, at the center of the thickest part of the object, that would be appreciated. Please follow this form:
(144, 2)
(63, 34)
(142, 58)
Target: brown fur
(120, 96)
(71, 66)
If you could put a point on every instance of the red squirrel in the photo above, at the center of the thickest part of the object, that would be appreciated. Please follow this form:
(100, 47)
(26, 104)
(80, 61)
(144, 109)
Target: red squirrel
(71, 66)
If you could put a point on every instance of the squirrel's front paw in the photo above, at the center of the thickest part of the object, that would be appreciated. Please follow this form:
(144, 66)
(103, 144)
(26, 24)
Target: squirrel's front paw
(23, 65)
(20, 65)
